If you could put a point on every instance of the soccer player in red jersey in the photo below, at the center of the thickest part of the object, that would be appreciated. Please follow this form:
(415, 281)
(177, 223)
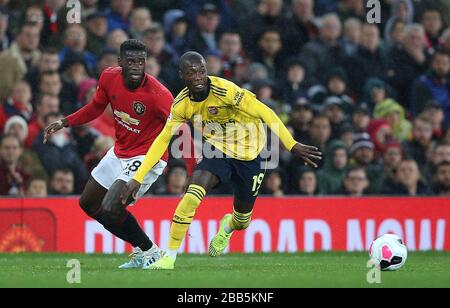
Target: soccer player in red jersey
(140, 107)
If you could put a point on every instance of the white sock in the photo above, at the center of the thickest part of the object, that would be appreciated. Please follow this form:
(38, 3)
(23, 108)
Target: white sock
(172, 253)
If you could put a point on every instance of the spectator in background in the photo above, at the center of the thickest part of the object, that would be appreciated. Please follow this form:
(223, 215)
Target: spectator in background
(301, 117)
(376, 91)
(37, 188)
(394, 114)
(119, 15)
(334, 110)
(108, 58)
(62, 182)
(431, 21)
(433, 111)
(176, 180)
(19, 103)
(45, 104)
(361, 118)
(75, 43)
(326, 51)
(140, 20)
(60, 153)
(17, 60)
(337, 86)
(439, 153)
(393, 37)
(48, 61)
(13, 179)
(334, 168)
(4, 22)
(355, 182)
(319, 132)
(441, 182)
(294, 85)
(115, 38)
(380, 133)
(16, 126)
(352, 9)
(254, 72)
(368, 60)
(205, 35)
(213, 62)
(306, 184)
(301, 27)
(401, 10)
(434, 85)
(35, 14)
(74, 72)
(352, 36)
(86, 91)
(49, 82)
(167, 57)
(268, 14)
(176, 30)
(363, 155)
(346, 134)
(153, 68)
(269, 52)
(96, 31)
(234, 60)
(273, 183)
(392, 156)
(407, 63)
(52, 22)
(409, 182)
(420, 145)
(446, 136)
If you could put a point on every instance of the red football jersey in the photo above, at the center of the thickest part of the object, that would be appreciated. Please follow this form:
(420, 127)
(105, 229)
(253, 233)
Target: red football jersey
(139, 114)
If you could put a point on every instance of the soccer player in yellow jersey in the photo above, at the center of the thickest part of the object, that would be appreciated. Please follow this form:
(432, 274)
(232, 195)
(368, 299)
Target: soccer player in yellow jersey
(231, 121)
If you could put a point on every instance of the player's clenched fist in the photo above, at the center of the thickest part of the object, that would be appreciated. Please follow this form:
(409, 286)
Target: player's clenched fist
(129, 191)
(54, 127)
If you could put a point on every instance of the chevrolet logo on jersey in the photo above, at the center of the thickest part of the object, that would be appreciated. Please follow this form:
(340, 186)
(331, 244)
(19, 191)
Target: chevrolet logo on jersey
(125, 117)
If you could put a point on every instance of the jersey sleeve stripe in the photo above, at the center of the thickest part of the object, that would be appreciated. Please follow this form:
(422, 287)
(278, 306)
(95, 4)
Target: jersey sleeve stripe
(176, 101)
(218, 93)
(218, 89)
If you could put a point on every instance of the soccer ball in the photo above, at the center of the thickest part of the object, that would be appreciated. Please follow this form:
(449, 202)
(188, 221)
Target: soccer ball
(389, 252)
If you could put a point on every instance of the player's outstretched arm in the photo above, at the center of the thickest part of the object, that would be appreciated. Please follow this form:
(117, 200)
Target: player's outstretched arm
(53, 128)
(306, 152)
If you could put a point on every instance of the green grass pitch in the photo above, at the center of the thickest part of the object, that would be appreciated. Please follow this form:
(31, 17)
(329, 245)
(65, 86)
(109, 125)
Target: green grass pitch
(422, 269)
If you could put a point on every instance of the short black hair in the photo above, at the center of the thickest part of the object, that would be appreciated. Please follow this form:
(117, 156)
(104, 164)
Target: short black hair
(132, 45)
(191, 56)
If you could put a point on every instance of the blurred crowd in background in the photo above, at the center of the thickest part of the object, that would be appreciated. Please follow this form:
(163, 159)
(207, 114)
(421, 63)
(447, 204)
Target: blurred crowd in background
(375, 98)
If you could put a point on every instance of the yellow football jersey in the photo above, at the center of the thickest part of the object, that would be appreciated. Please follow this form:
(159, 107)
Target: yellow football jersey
(222, 120)
(230, 118)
